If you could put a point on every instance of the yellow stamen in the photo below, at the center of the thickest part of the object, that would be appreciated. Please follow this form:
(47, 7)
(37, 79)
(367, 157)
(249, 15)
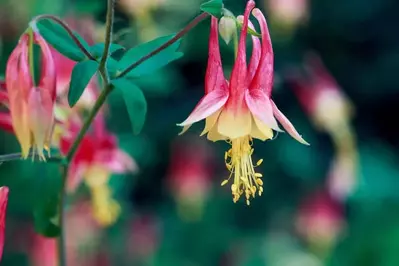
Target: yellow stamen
(239, 162)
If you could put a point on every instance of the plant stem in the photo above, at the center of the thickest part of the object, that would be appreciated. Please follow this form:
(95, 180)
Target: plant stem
(180, 34)
(61, 222)
(75, 145)
(69, 31)
(18, 156)
(108, 36)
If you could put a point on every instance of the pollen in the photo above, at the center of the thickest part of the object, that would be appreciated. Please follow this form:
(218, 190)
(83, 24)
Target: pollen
(238, 160)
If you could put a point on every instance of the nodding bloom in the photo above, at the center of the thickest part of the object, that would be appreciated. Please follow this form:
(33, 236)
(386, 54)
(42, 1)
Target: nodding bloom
(321, 96)
(241, 109)
(31, 105)
(3, 209)
(97, 158)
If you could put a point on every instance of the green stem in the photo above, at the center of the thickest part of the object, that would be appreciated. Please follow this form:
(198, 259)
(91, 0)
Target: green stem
(108, 37)
(68, 30)
(18, 156)
(75, 145)
(30, 55)
(180, 34)
(61, 223)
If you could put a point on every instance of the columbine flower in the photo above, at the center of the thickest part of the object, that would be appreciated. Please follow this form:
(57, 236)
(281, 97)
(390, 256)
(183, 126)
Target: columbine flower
(3, 209)
(5, 117)
(31, 105)
(241, 110)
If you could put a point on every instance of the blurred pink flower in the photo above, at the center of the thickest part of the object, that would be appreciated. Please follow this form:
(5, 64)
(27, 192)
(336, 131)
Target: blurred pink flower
(144, 236)
(83, 232)
(320, 219)
(189, 176)
(321, 96)
(3, 209)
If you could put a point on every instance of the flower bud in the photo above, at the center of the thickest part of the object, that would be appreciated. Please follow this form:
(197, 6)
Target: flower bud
(227, 28)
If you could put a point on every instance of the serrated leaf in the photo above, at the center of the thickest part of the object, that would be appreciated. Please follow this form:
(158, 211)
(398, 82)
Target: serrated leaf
(81, 76)
(213, 7)
(154, 63)
(135, 101)
(59, 39)
(97, 49)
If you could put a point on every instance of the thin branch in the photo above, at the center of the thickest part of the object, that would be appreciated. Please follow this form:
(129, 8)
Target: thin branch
(69, 31)
(180, 34)
(18, 156)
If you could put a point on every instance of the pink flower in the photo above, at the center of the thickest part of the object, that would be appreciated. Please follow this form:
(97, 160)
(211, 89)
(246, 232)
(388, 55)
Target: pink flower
(320, 218)
(5, 117)
(3, 209)
(98, 154)
(189, 176)
(31, 105)
(241, 109)
(321, 96)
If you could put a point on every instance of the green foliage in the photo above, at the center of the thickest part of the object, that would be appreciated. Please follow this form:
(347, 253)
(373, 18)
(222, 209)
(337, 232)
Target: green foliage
(213, 7)
(45, 211)
(154, 63)
(58, 37)
(81, 76)
(135, 101)
(98, 49)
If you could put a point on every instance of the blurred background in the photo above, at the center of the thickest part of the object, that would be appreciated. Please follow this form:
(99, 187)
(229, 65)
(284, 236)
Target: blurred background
(333, 203)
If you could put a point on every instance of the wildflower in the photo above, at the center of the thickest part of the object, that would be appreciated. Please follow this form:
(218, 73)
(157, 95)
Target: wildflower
(31, 105)
(241, 110)
(3, 209)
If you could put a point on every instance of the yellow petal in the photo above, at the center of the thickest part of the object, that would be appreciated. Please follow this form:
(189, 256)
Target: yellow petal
(213, 134)
(260, 130)
(234, 124)
(211, 121)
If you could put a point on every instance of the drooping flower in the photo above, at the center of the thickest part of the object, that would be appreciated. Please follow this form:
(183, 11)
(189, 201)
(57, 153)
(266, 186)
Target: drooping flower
(330, 111)
(3, 209)
(31, 105)
(241, 109)
(97, 158)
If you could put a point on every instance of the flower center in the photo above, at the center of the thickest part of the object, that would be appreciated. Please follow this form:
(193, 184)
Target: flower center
(238, 161)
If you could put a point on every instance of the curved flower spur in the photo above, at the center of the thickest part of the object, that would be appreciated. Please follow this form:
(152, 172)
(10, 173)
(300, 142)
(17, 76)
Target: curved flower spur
(241, 109)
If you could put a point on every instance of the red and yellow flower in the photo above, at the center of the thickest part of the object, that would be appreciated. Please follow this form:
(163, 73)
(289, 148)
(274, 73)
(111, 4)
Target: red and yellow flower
(240, 110)
(31, 105)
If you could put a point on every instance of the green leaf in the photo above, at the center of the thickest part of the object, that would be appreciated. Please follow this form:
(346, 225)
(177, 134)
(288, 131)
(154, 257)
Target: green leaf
(213, 7)
(81, 76)
(58, 38)
(46, 218)
(135, 102)
(154, 63)
(47, 189)
(97, 49)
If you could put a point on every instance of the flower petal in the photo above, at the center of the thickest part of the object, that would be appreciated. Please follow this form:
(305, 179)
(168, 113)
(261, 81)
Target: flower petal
(260, 130)
(259, 105)
(256, 52)
(3, 209)
(238, 80)
(214, 135)
(287, 124)
(211, 121)
(264, 75)
(234, 124)
(208, 105)
(5, 122)
(214, 78)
